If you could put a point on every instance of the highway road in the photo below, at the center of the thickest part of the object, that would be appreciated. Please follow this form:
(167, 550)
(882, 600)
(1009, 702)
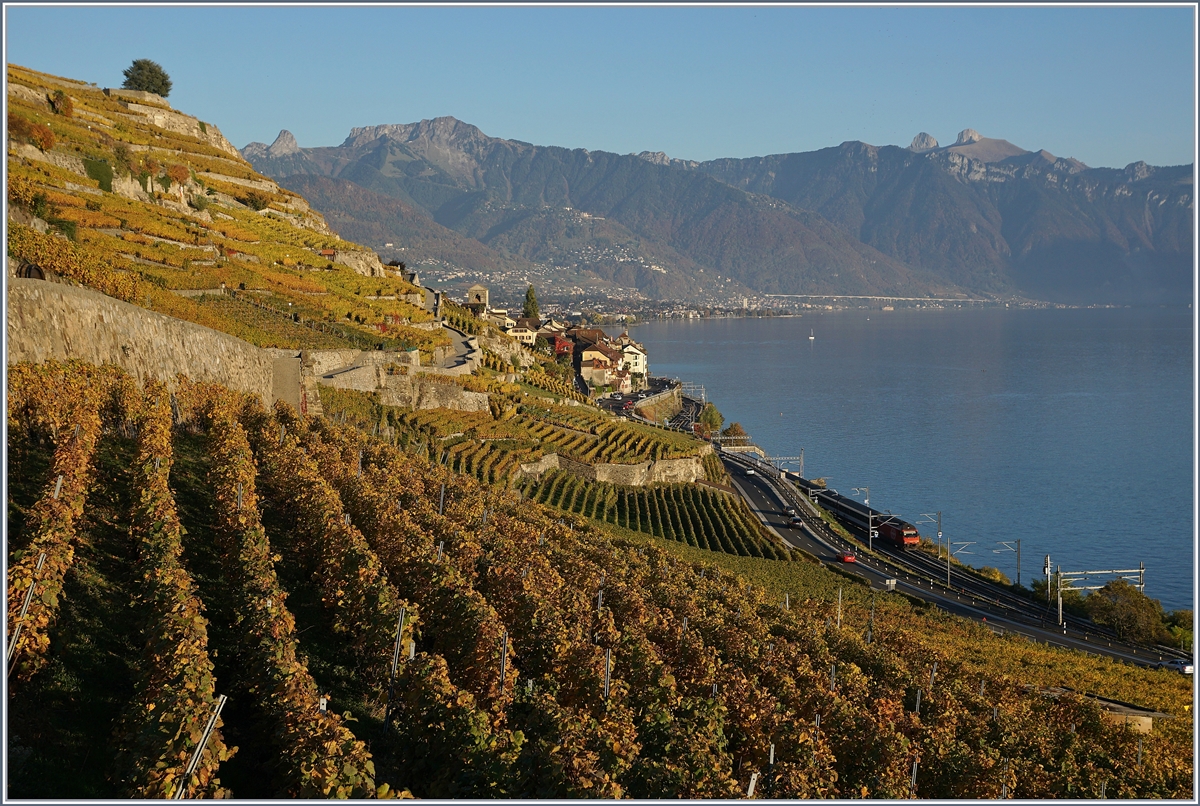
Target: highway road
(768, 498)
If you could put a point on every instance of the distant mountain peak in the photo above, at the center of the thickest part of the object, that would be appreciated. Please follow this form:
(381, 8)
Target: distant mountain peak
(974, 145)
(445, 130)
(661, 158)
(284, 144)
(968, 136)
(924, 142)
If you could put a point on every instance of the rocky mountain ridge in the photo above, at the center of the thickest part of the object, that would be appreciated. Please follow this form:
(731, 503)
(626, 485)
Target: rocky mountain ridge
(979, 217)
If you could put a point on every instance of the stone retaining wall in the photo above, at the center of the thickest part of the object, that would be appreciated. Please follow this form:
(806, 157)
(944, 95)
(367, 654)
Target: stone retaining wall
(57, 321)
(664, 471)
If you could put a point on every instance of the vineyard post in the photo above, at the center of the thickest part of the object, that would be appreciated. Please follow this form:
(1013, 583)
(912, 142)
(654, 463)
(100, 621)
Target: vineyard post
(412, 649)
(714, 691)
(753, 781)
(387, 719)
(442, 499)
(1004, 782)
(912, 786)
(817, 726)
(839, 621)
(441, 544)
(12, 644)
(917, 710)
(981, 682)
(282, 431)
(996, 716)
(599, 600)
(1103, 789)
(607, 670)
(833, 677)
(191, 767)
(771, 756)
(58, 487)
(239, 498)
(932, 673)
(529, 686)
(504, 659)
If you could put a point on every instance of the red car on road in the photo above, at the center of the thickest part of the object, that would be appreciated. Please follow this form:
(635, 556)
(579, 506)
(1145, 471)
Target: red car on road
(848, 557)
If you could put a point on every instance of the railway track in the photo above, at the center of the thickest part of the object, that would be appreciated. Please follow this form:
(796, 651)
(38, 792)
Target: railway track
(930, 573)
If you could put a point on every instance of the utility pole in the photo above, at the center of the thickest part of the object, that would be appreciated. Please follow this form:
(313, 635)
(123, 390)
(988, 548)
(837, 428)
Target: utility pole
(1008, 546)
(1060, 618)
(866, 494)
(1046, 571)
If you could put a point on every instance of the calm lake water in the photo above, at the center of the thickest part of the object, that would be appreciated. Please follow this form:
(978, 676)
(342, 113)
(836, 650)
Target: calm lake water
(1068, 429)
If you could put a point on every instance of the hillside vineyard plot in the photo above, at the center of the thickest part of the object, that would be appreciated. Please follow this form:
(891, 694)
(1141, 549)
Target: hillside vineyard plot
(372, 617)
(148, 211)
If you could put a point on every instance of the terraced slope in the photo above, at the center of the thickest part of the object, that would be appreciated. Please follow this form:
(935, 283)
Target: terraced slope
(120, 193)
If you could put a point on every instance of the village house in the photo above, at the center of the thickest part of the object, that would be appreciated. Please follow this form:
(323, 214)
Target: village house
(635, 359)
(523, 335)
(562, 345)
(550, 327)
(500, 318)
(610, 357)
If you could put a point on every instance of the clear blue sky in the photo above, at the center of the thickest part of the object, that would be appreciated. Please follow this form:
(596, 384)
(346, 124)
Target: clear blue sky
(1106, 85)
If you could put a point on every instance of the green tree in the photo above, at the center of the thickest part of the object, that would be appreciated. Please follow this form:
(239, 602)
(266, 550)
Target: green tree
(147, 76)
(1127, 611)
(1179, 624)
(710, 418)
(531, 303)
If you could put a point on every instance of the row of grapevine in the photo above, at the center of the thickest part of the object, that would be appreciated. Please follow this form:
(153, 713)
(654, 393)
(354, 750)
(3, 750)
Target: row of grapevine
(689, 513)
(553, 385)
(714, 471)
(175, 690)
(361, 602)
(318, 754)
(65, 399)
(546, 647)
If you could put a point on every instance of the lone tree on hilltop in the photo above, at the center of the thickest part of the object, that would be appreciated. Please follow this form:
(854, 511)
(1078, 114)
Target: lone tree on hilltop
(147, 76)
(531, 303)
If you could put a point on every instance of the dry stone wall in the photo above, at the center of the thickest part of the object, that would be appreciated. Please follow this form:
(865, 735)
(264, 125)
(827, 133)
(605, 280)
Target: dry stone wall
(663, 471)
(57, 321)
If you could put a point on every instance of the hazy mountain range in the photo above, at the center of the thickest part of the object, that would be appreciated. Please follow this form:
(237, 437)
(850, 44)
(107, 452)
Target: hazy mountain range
(979, 217)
